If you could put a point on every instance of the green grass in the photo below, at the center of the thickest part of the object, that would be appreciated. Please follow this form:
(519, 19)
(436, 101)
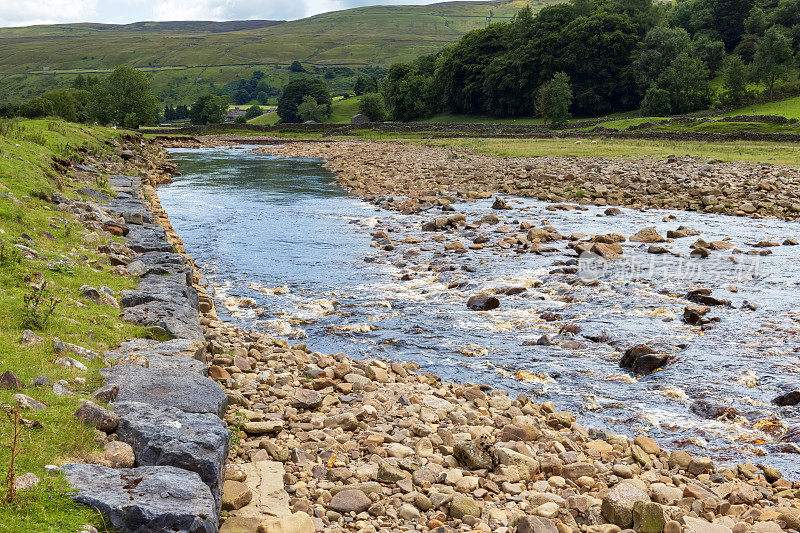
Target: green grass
(267, 119)
(730, 127)
(27, 149)
(343, 109)
(789, 108)
(776, 153)
(623, 123)
(452, 118)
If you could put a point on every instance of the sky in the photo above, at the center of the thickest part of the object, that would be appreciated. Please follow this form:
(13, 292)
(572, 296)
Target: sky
(28, 12)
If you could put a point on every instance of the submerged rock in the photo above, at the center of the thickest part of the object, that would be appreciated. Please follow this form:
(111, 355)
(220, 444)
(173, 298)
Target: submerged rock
(483, 302)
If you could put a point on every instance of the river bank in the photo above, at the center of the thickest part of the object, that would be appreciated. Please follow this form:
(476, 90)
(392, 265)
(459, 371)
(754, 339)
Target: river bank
(376, 445)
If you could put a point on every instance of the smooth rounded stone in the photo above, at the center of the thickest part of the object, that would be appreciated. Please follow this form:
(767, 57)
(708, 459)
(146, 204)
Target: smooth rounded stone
(118, 454)
(680, 459)
(665, 494)
(408, 512)
(698, 525)
(461, 506)
(235, 495)
(298, 522)
(41, 381)
(647, 444)
(97, 416)
(349, 501)
(239, 524)
(388, 473)
(422, 502)
(547, 510)
(528, 466)
(26, 481)
(367, 488)
(672, 526)
(400, 451)
(27, 402)
(771, 473)
(473, 455)
(306, 399)
(264, 427)
(148, 498)
(617, 506)
(575, 470)
(535, 524)
(648, 517)
(90, 293)
(500, 402)
(423, 477)
(346, 421)
(424, 447)
(700, 465)
(483, 302)
(647, 235)
(467, 484)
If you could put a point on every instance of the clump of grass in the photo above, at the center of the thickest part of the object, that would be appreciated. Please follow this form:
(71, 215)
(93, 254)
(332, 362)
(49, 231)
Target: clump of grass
(14, 446)
(40, 306)
(9, 255)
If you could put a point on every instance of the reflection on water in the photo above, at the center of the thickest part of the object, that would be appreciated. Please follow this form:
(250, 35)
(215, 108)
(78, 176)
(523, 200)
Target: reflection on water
(285, 250)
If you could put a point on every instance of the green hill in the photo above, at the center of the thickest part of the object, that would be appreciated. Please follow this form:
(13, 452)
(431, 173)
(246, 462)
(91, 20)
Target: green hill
(187, 57)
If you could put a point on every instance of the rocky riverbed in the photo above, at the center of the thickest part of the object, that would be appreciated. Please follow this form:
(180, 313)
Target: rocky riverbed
(422, 174)
(331, 443)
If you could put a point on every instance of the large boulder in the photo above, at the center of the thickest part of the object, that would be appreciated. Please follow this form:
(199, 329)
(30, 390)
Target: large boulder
(145, 499)
(162, 435)
(172, 388)
(617, 506)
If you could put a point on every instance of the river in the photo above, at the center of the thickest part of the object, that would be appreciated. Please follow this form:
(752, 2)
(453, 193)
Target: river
(284, 249)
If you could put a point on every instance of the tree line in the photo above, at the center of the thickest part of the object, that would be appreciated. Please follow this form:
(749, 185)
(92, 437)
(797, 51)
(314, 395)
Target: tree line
(604, 56)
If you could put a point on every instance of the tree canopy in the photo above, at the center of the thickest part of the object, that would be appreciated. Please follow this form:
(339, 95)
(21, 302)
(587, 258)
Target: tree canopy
(293, 94)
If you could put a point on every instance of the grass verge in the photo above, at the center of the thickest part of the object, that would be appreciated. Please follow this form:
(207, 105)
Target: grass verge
(67, 258)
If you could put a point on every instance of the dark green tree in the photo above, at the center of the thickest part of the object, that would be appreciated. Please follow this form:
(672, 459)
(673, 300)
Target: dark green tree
(296, 66)
(36, 108)
(656, 102)
(373, 106)
(310, 110)
(709, 51)
(63, 104)
(407, 92)
(293, 93)
(659, 48)
(773, 59)
(253, 111)
(365, 84)
(209, 109)
(734, 80)
(124, 96)
(686, 82)
(559, 100)
(746, 48)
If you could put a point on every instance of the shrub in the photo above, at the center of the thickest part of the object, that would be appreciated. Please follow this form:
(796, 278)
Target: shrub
(39, 307)
(373, 106)
(309, 109)
(295, 92)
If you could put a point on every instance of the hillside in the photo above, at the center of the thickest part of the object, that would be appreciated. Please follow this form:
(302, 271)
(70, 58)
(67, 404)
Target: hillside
(185, 56)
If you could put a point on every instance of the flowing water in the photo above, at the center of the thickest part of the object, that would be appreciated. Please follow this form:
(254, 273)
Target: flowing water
(286, 251)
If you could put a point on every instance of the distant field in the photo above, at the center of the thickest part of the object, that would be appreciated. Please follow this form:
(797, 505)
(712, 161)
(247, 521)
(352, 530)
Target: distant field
(789, 108)
(776, 153)
(193, 54)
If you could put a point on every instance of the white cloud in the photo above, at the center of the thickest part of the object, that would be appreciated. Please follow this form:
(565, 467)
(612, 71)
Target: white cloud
(28, 12)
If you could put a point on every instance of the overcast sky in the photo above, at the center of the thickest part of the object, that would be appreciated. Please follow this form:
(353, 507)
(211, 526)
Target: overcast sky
(27, 12)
